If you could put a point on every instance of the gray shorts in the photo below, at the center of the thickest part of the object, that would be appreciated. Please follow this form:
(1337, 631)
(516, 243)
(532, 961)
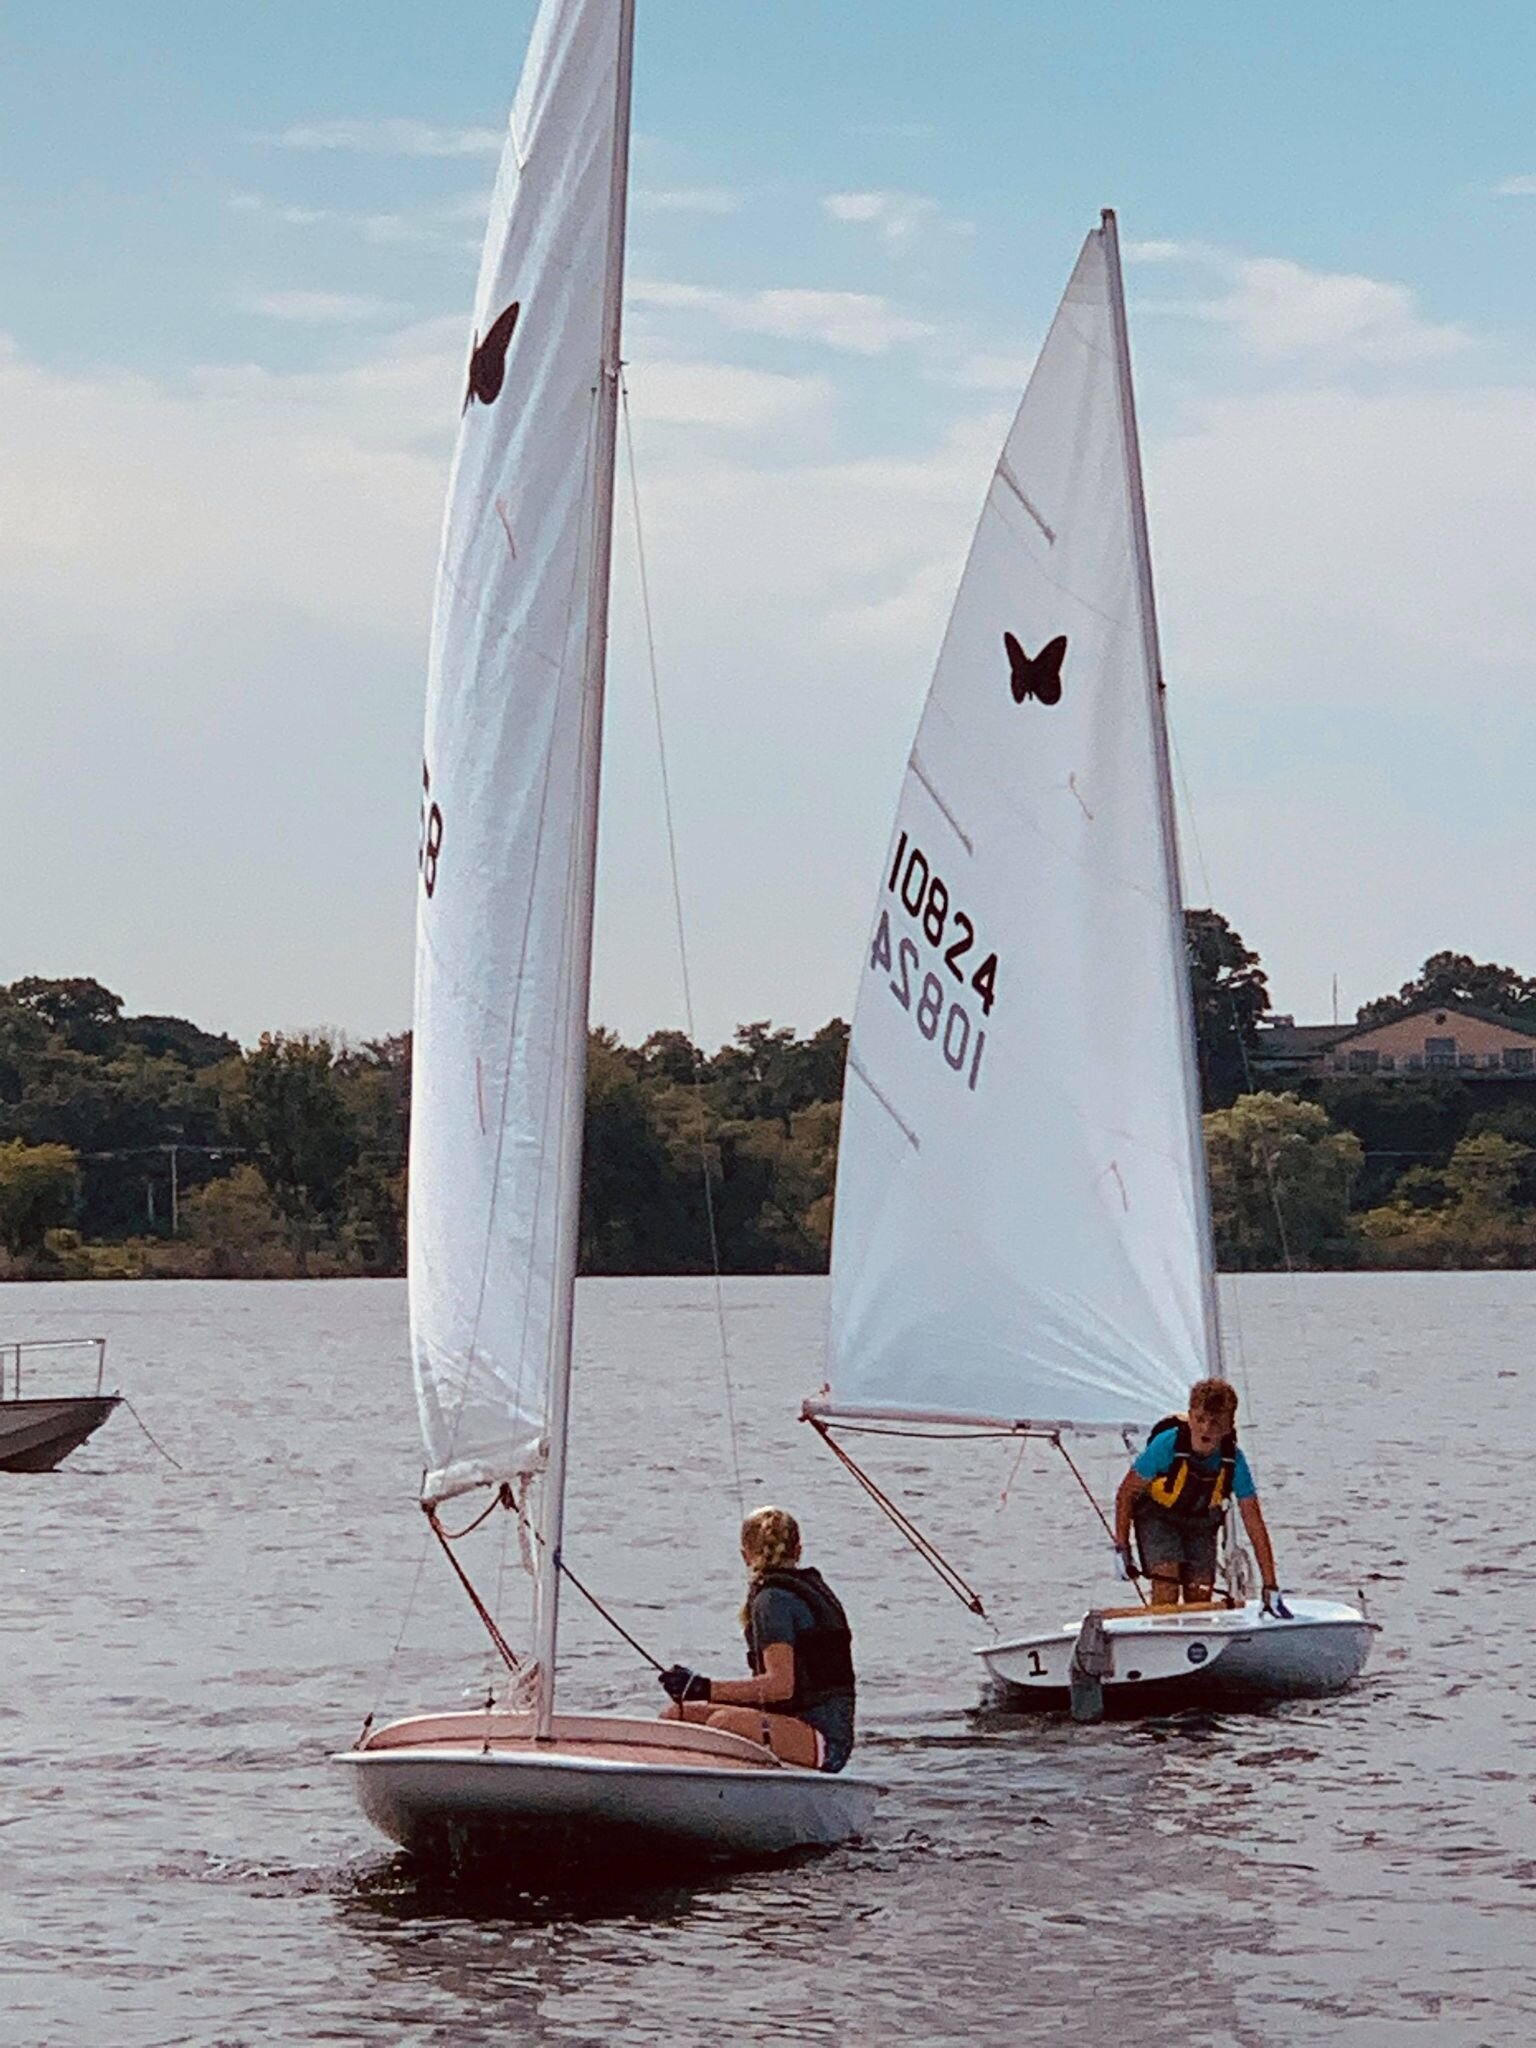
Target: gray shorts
(1168, 1540)
(833, 1722)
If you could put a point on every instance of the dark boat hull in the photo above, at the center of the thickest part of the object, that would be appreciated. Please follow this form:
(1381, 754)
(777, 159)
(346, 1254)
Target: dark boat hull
(36, 1434)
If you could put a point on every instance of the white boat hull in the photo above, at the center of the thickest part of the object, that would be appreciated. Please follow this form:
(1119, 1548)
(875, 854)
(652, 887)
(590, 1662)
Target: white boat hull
(603, 1793)
(1171, 1656)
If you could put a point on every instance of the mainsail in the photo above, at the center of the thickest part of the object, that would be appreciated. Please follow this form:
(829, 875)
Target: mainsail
(509, 776)
(1022, 1227)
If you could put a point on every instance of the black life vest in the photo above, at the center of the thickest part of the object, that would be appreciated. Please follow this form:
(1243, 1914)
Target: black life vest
(823, 1652)
(1184, 1491)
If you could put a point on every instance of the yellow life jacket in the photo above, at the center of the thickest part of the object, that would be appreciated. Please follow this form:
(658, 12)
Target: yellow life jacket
(1183, 1491)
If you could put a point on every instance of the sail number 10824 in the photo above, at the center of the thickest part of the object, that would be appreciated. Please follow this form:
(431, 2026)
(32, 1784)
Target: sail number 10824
(925, 898)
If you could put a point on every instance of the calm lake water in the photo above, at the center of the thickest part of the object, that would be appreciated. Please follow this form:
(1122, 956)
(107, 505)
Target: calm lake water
(180, 1864)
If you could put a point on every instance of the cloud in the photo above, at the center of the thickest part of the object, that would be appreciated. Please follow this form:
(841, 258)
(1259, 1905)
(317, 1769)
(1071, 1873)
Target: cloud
(322, 309)
(724, 395)
(894, 131)
(1280, 308)
(1347, 548)
(990, 373)
(895, 216)
(712, 199)
(1515, 188)
(219, 590)
(1172, 252)
(287, 216)
(861, 323)
(439, 226)
(389, 138)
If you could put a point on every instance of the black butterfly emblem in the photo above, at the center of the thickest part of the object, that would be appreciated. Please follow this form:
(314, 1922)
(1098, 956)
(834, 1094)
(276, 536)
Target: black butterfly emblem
(488, 359)
(1036, 675)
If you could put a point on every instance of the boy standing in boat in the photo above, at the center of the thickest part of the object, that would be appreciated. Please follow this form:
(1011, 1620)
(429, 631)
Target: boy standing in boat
(1176, 1494)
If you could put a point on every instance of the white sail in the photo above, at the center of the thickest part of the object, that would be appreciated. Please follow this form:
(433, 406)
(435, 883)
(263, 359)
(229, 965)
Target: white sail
(509, 779)
(1021, 1227)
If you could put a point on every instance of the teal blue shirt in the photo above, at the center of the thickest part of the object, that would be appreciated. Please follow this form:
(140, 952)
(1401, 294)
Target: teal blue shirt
(1156, 1461)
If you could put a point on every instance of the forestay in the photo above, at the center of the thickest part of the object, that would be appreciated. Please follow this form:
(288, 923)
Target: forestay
(1021, 1229)
(508, 781)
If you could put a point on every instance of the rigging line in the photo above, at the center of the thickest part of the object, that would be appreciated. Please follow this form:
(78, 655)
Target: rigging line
(502, 1498)
(504, 1649)
(682, 946)
(613, 1622)
(505, 1498)
(405, 1622)
(1088, 1492)
(1233, 1294)
(160, 1447)
(929, 1552)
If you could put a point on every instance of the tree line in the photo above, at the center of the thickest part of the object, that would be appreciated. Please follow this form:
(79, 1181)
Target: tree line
(145, 1145)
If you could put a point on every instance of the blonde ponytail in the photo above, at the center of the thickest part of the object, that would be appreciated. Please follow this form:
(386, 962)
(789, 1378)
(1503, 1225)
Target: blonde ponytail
(770, 1540)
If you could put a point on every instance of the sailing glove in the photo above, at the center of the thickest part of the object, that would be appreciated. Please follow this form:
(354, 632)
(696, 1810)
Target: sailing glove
(1274, 1604)
(1124, 1567)
(681, 1684)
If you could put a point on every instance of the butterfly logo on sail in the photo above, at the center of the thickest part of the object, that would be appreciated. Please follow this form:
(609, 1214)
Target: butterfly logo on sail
(1036, 675)
(488, 359)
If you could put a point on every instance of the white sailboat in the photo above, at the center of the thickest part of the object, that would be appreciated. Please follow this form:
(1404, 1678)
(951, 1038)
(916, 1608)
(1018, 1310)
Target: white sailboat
(508, 839)
(1022, 1237)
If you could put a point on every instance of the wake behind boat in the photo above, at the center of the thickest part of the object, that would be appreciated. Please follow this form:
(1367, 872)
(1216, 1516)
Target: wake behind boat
(39, 1429)
(1022, 1238)
(509, 806)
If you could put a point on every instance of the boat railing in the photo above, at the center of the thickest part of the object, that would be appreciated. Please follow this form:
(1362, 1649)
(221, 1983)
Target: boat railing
(12, 1356)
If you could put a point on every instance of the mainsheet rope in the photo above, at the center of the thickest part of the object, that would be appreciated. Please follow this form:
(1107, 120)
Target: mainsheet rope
(506, 1498)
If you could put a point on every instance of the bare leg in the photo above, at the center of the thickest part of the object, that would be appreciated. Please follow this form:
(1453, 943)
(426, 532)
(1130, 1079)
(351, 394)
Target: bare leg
(1197, 1590)
(1165, 1585)
(695, 1710)
(792, 1741)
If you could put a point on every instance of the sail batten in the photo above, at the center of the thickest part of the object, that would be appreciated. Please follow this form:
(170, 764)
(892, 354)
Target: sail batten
(1020, 1228)
(509, 780)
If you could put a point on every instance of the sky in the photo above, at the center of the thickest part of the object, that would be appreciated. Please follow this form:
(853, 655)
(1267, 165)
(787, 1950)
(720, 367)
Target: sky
(240, 244)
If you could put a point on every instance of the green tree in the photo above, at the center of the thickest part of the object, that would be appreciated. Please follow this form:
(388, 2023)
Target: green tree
(1466, 1215)
(237, 1223)
(289, 1113)
(39, 1186)
(1457, 978)
(631, 1214)
(375, 1082)
(1404, 1124)
(1483, 1172)
(176, 1038)
(768, 1072)
(87, 1016)
(1281, 1178)
(1229, 993)
(670, 1056)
